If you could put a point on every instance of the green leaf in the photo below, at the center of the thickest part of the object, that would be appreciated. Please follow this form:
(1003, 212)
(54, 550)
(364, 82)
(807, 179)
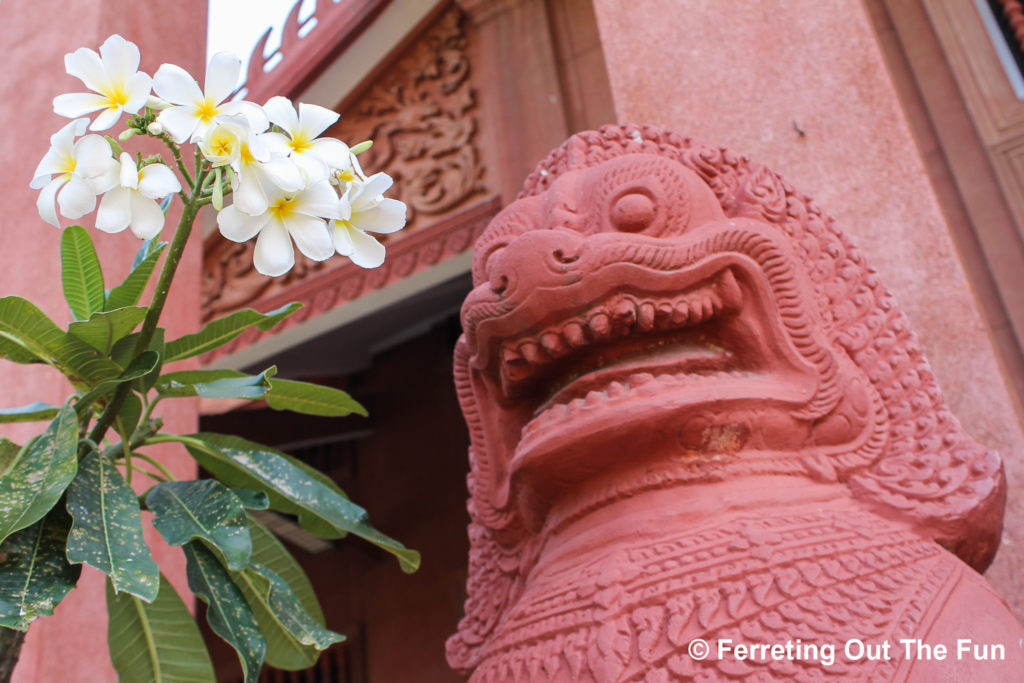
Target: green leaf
(127, 418)
(123, 350)
(35, 481)
(229, 615)
(296, 635)
(321, 509)
(103, 329)
(81, 274)
(27, 335)
(34, 574)
(221, 331)
(156, 642)
(215, 383)
(107, 529)
(311, 399)
(9, 451)
(253, 500)
(128, 292)
(140, 367)
(30, 413)
(186, 510)
(284, 650)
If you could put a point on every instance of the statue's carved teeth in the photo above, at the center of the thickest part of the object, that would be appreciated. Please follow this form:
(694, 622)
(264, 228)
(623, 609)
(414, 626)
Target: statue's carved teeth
(593, 398)
(646, 315)
(624, 313)
(707, 308)
(573, 333)
(600, 325)
(681, 313)
(510, 354)
(533, 354)
(640, 378)
(616, 389)
(554, 344)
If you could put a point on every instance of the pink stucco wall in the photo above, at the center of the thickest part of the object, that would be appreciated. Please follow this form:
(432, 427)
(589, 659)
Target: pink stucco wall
(802, 87)
(34, 36)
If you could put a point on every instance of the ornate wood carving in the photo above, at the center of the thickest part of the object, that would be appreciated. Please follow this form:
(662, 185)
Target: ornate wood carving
(421, 113)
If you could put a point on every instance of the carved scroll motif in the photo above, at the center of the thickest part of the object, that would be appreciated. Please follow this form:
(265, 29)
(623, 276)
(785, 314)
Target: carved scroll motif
(421, 115)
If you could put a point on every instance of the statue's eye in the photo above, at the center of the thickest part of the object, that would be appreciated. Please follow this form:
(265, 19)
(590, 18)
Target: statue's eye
(633, 212)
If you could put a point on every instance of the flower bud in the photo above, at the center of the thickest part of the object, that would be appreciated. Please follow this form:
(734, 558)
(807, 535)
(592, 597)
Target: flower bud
(155, 128)
(156, 104)
(126, 135)
(362, 147)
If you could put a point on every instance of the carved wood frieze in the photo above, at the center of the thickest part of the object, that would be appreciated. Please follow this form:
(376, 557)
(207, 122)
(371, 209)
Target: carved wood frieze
(421, 113)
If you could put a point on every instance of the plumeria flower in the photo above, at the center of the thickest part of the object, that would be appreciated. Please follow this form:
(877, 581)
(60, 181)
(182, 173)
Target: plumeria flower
(299, 216)
(83, 169)
(316, 157)
(367, 211)
(132, 204)
(195, 110)
(115, 80)
(257, 162)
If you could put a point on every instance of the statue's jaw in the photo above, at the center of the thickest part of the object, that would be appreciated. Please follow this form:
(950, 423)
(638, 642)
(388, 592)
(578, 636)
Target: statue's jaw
(691, 363)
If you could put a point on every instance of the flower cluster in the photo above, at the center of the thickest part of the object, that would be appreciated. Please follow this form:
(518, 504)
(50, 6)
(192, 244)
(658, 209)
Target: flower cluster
(288, 182)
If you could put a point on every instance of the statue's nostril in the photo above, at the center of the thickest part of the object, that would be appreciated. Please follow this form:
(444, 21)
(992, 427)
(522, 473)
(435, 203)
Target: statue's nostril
(633, 212)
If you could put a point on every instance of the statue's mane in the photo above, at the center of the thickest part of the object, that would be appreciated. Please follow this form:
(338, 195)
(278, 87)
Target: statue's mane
(929, 472)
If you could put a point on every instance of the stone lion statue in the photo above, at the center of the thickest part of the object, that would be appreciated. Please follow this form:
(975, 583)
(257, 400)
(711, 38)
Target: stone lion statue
(697, 416)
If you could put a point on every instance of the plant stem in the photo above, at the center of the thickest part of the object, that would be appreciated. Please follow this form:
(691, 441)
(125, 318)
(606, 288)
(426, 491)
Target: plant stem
(10, 648)
(156, 306)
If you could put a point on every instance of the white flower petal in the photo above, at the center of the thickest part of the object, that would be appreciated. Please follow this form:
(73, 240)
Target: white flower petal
(51, 164)
(332, 152)
(179, 121)
(249, 196)
(312, 167)
(46, 201)
(340, 236)
(76, 198)
(274, 254)
(115, 212)
(64, 139)
(85, 65)
(147, 218)
(77, 104)
(129, 175)
(281, 172)
(221, 76)
(175, 85)
(375, 186)
(384, 218)
(276, 143)
(311, 236)
(280, 111)
(120, 58)
(106, 119)
(106, 179)
(366, 251)
(137, 89)
(156, 181)
(320, 200)
(240, 227)
(92, 156)
(314, 119)
(252, 112)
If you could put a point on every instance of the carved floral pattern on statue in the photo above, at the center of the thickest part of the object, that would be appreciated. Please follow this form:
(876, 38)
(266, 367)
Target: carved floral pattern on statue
(654, 319)
(421, 115)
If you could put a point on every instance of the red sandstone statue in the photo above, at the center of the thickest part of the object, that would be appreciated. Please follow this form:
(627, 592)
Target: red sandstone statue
(696, 413)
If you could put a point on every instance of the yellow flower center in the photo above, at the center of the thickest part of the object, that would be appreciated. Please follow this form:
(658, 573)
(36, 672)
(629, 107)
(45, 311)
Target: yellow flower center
(283, 208)
(246, 155)
(207, 110)
(300, 143)
(116, 97)
(69, 165)
(347, 176)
